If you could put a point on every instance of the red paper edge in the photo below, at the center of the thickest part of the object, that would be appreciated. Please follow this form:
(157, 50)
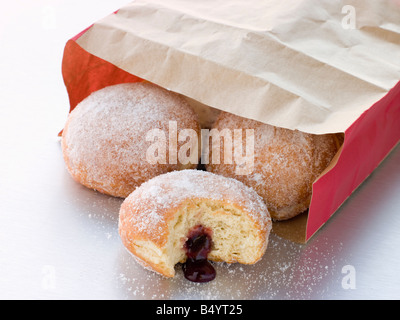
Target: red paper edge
(84, 73)
(84, 31)
(367, 142)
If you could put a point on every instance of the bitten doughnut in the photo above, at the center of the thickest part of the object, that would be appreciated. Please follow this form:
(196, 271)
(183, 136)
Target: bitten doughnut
(194, 216)
(286, 163)
(106, 139)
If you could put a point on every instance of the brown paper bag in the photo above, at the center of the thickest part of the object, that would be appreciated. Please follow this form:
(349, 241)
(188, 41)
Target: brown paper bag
(290, 63)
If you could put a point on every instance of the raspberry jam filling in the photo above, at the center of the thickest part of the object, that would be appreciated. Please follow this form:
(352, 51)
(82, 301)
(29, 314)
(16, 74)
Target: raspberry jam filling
(197, 268)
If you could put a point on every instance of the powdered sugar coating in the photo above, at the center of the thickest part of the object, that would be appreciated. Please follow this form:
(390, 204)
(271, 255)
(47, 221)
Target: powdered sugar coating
(104, 141)
(286, 163)
(146, 210)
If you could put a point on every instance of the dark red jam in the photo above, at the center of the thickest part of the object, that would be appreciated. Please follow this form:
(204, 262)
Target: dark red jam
(197, 268)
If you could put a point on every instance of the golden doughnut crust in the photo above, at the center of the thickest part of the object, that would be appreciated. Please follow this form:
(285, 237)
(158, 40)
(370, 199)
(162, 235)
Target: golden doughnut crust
(286, 163)
(104, 140)
(156, 218)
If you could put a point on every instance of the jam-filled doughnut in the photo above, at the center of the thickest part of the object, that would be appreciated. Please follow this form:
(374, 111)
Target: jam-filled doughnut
(192, 216)
(106, 139)
(286, 163)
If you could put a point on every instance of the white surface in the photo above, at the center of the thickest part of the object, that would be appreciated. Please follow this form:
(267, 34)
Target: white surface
(59, 240)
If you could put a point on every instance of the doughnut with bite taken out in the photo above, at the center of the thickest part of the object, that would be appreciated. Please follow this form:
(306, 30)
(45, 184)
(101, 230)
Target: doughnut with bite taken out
(192, 216)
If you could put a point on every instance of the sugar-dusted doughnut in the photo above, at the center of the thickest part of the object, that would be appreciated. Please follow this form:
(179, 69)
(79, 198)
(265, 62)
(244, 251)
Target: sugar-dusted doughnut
(193, 216)
(106, 139)
(286, 162)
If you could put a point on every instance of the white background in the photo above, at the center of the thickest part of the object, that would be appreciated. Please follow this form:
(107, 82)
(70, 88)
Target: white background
(59, 240)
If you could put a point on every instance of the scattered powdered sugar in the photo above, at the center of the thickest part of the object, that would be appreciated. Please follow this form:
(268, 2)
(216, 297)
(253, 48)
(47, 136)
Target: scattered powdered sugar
(145, 208)
(287, 271)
